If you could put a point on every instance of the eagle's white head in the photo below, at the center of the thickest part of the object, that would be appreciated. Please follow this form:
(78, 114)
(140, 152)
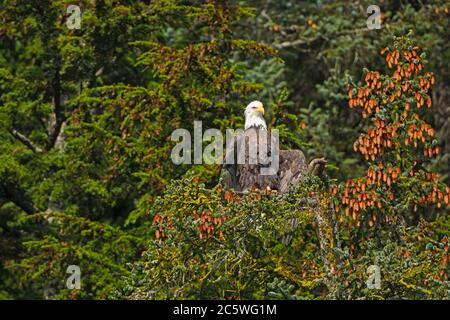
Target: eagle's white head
(254, 116)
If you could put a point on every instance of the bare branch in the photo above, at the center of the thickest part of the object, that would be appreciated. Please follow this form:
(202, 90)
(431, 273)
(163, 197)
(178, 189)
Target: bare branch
(316, 166)
(27, 142)
(288, 44)
(19, 198)
(58, 113)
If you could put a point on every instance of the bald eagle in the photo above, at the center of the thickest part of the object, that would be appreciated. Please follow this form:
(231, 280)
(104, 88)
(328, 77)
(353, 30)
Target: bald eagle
(244, 175)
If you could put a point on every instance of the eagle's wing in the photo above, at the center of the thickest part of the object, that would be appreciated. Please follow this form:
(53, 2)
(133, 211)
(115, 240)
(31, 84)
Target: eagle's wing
(239, 170)
(254, 148)
(229, 166)
(244, 171)
(292, 166)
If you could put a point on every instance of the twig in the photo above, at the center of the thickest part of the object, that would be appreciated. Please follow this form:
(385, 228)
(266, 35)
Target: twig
(288, 44)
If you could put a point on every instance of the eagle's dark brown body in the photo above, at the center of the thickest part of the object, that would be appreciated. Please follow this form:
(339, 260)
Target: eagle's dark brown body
(245, 175)
(292, 168)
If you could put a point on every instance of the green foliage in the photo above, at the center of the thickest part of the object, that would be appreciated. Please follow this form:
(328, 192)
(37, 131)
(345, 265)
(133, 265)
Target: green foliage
(100, 250)
(211, 243)
(86, 178)
(412, 267)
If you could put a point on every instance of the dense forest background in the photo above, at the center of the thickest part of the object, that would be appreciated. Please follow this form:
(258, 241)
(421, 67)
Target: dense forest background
(86, 177)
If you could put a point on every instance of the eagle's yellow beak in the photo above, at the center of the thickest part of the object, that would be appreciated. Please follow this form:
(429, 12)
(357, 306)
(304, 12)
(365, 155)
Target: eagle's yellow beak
(260, 109)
